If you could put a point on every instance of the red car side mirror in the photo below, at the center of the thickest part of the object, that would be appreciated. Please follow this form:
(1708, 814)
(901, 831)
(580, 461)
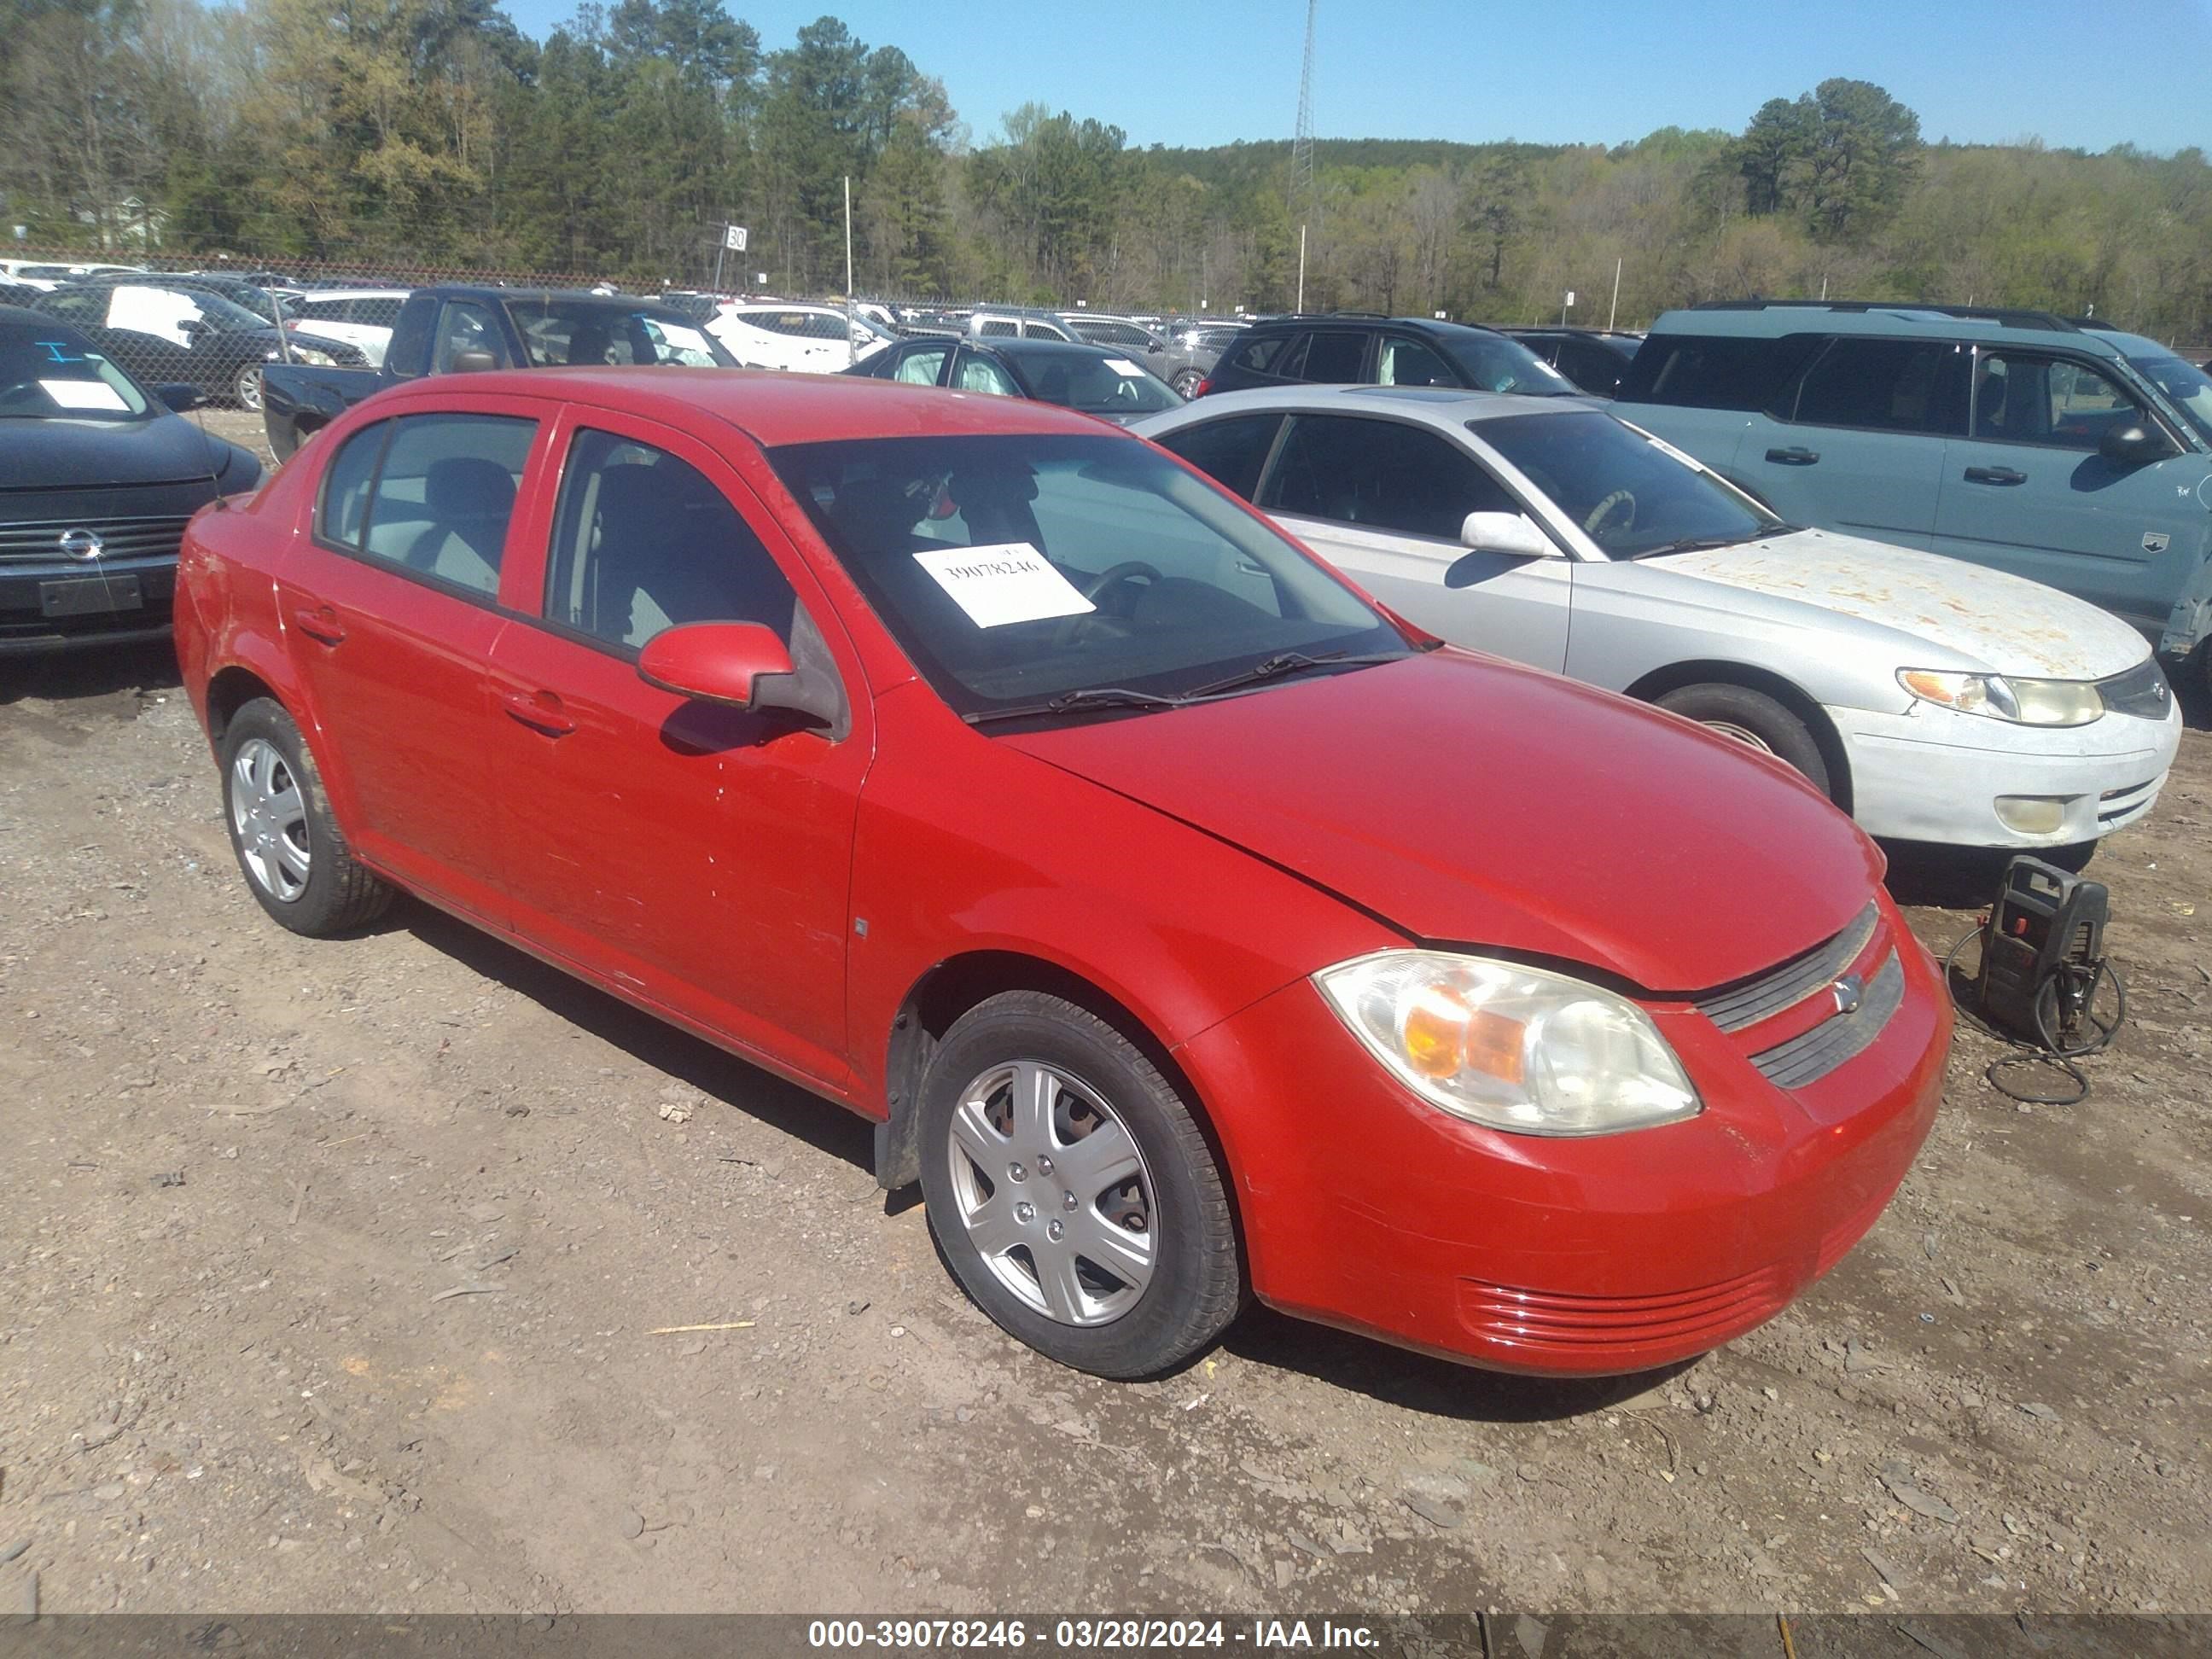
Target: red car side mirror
(715, 662)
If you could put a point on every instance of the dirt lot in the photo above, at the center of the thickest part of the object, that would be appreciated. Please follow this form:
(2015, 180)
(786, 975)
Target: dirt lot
(331, 1277)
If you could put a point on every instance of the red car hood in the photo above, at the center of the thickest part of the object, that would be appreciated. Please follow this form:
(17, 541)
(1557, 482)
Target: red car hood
(1467, 801)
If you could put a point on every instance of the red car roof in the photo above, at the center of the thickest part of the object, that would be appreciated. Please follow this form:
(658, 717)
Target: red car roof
(774, 408)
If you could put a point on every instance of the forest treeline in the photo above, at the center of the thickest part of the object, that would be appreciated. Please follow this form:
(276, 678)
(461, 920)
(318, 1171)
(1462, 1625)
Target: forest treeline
(434, 133)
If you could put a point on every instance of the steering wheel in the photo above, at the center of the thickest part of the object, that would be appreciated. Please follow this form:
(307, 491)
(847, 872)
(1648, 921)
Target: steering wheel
(1120, 573)
(1616, 512)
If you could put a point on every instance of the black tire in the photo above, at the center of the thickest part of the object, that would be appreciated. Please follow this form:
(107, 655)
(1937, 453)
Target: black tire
(1739, 712)
(338, 894)
(1196, 1284)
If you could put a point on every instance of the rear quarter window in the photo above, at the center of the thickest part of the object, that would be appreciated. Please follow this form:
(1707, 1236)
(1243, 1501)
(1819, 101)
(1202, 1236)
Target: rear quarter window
(1705, 371)
(1262, 355)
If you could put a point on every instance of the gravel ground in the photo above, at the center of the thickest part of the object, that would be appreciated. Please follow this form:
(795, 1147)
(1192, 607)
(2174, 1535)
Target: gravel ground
(336, 1276)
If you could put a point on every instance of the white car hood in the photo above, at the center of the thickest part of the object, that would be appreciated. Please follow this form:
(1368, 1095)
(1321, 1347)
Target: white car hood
(2007, 623)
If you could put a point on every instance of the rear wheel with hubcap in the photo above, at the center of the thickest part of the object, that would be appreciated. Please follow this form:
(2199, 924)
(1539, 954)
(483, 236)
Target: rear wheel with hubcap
(1071, 1191)
(1757, 721)
(289, 845)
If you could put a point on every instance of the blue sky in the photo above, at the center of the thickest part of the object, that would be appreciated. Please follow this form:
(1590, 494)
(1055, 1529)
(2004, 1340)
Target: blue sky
(2075, 75)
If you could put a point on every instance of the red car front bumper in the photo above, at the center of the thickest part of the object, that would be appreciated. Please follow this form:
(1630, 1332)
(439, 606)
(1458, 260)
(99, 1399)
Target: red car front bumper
(1364, 1207)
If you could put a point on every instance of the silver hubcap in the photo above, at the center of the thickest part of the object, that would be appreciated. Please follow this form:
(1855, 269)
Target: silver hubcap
(1053, 1192)
(249, 388)
(1743, 734)
(270, 818)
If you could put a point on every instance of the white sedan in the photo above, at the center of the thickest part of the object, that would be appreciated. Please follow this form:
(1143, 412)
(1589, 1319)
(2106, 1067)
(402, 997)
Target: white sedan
(1936, 701)
(809, 339)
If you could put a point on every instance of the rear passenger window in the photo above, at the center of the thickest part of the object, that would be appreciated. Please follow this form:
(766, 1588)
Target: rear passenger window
(643, 541)
(1230, 452)
(443, 495)
(1333, 358)
(1892, 385)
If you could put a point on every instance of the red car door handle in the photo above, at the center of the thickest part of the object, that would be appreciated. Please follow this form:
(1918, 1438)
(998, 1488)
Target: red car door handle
(540, 710)
(319, 622)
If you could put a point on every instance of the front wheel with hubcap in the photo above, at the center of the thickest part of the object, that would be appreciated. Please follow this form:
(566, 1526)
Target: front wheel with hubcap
(1071, 1191)
(1756, 720)
(289, 845)
(246, 388)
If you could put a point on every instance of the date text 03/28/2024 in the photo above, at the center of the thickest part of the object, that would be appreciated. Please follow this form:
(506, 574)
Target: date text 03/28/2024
(1088, 1634)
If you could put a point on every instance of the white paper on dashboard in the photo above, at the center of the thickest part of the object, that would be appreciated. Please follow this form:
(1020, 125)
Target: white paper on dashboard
(84, 394)
(1123, 366)
(682, 337)
(1005, 582)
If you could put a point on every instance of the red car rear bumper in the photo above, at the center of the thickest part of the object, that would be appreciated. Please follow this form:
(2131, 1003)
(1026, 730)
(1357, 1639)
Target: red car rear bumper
(1364, 1207)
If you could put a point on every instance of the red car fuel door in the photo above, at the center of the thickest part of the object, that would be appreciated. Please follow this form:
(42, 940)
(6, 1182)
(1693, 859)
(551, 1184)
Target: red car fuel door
(692, 855)
(389, 609)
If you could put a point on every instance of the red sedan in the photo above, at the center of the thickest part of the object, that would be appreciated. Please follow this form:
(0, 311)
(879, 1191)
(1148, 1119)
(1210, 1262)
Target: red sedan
(1191, 927)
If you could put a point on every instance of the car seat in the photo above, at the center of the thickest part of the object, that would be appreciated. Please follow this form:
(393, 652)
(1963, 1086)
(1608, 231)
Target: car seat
(469, 499)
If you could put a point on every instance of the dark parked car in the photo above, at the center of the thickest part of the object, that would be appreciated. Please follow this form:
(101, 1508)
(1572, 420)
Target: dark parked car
(1594, 359)
(173, 332)
(1356, 347)
(1094, 379)
(460, 327)
(97, 477)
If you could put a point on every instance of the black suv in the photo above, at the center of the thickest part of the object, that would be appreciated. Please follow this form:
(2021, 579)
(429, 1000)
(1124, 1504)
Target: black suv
(1594, 359)
(1357, 347)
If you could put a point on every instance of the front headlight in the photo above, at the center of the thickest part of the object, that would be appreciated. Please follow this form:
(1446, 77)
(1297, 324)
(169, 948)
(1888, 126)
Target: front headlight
(2006, 698)
(309, 354)
(1509, 1047)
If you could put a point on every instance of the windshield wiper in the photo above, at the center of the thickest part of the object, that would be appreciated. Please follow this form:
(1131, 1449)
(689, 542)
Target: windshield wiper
(1078, 701)
(1287, 662)
(1700, 544)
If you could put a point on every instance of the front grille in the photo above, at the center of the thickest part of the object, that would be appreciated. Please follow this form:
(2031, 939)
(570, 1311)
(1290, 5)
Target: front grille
(1747, 1002)
(1549, 1321)
(2141, 692)
(120, 539)
(2115, 805)
(1811, 1055)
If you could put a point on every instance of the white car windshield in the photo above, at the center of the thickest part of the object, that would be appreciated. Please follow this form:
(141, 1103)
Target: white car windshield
(1631, 496)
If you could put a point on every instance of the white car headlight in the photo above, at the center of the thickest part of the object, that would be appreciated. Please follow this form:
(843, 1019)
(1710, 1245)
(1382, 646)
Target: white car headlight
(2006, 696)
(308, 354)
(1509, 1047)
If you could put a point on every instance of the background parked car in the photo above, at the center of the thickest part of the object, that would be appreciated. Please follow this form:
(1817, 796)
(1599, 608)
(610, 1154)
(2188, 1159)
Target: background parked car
(97, 477)
(362, 317)
(460, 327)
(808, 339)
(1937, 701)
(169, 331)
(1094, 379)
(2077, 457)
(1594, 359)
(1361, 348)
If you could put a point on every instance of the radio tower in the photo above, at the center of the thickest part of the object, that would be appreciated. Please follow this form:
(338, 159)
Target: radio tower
(1301, 154)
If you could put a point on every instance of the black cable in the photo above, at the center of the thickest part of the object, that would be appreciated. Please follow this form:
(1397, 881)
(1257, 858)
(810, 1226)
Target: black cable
(2082, 980)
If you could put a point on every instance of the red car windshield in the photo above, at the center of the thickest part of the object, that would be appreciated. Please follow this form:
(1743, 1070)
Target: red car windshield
(1016, 569)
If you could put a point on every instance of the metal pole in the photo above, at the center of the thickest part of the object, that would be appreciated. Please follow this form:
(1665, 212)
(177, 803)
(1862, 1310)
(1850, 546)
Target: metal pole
(851, 351)
(1613, 316)
(1300, 305)
(721, 248)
